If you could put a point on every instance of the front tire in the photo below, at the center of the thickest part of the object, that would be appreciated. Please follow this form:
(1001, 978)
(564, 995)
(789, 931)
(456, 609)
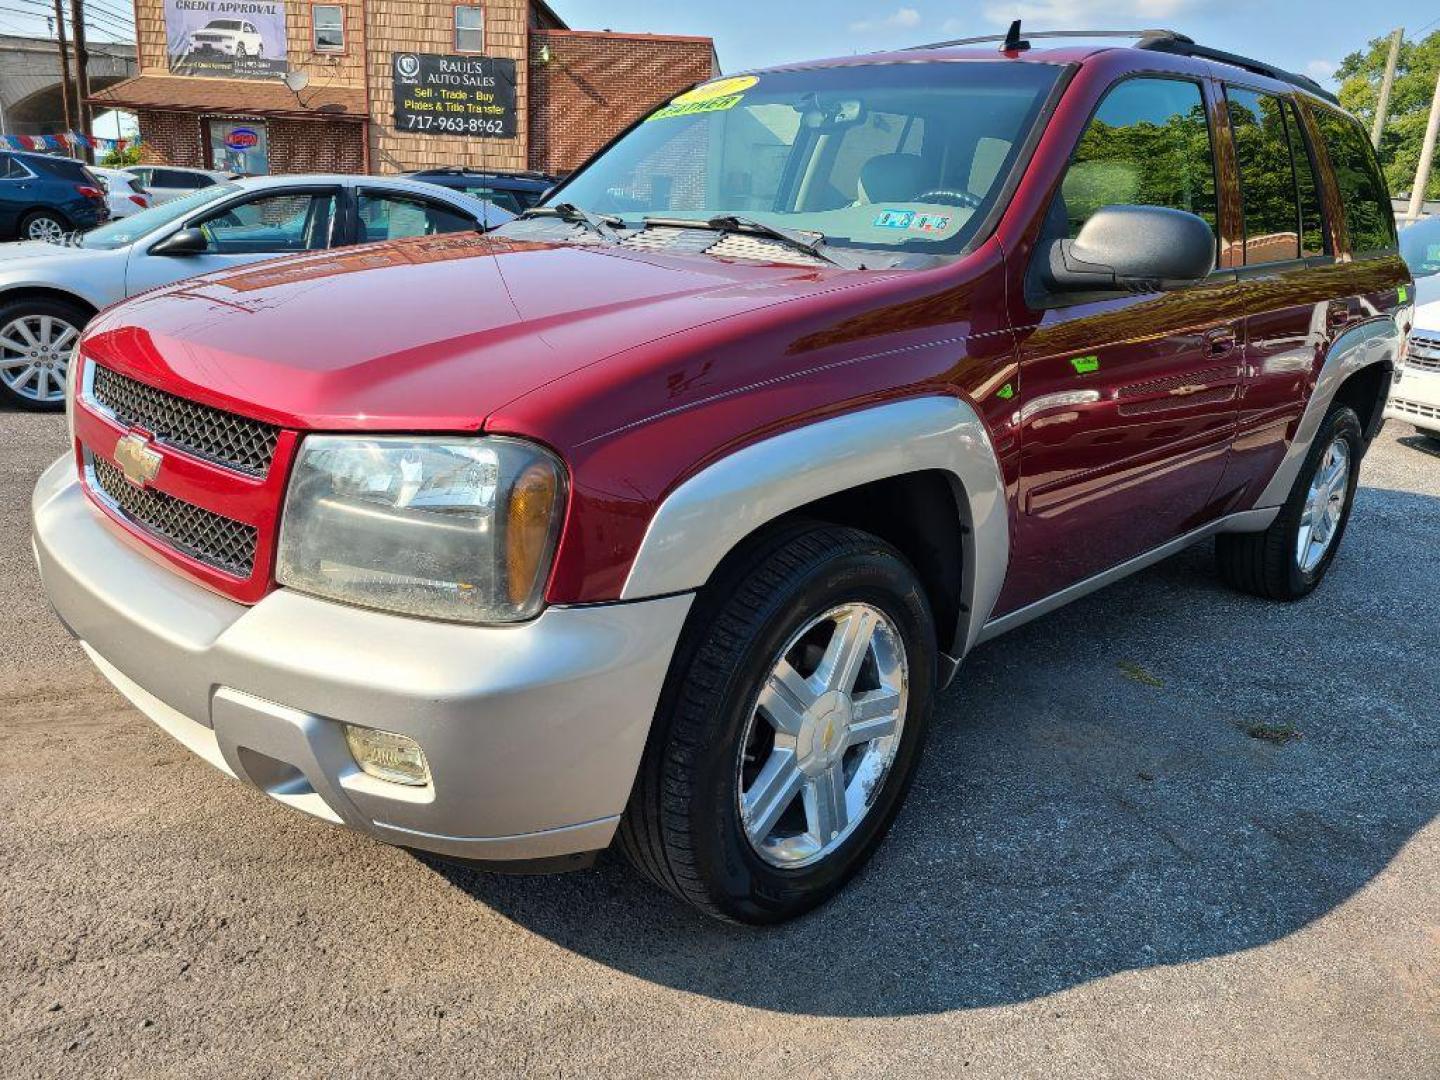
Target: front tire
(790, 727)
(36, 339)
(1290, 558)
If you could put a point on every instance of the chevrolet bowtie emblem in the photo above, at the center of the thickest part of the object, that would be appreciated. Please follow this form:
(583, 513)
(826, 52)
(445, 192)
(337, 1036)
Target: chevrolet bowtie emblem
(137, 461)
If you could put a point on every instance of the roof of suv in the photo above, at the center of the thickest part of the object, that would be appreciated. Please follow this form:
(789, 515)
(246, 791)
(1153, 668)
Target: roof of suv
(1078, 46)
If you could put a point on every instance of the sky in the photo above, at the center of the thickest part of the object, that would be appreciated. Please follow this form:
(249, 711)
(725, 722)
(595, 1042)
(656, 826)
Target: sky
(1308, 36)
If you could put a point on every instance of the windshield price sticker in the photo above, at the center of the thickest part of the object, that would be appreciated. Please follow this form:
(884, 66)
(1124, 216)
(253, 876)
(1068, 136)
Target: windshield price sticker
(717, 96)
(455, 95)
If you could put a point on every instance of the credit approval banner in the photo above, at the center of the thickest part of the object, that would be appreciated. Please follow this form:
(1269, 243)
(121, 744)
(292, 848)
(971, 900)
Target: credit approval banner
(226, 39)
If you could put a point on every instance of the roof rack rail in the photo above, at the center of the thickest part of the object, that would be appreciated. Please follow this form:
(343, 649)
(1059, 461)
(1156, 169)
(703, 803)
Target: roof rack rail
(1187, 47)
(1012, 36)
(1156, 40)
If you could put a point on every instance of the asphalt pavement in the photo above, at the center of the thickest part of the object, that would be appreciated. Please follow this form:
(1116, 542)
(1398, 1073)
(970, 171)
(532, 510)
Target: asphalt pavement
(1168, 831)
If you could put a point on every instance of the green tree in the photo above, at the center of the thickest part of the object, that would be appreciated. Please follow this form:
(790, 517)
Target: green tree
(118, 159)
(1359, 75)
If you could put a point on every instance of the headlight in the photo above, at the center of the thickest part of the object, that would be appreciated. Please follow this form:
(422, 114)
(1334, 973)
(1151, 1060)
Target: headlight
(443, 527)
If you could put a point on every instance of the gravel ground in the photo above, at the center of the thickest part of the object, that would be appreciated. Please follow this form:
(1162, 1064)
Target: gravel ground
(1167, 831)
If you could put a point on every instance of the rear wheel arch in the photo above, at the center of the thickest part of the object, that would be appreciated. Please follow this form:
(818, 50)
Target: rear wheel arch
(42, 292)
(1366, 391)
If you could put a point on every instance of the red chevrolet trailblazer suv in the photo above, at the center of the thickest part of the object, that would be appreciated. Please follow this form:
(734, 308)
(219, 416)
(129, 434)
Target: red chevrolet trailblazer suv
(660, 515)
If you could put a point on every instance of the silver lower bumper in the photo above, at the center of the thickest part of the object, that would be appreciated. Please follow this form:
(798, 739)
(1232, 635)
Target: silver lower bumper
(533, 732)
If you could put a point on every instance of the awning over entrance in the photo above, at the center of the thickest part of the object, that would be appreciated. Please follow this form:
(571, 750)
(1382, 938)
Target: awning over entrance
(250, 97)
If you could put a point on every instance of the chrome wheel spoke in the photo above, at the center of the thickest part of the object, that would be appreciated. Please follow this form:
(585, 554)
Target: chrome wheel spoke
(848, 647)
(22, 327)
(876, 715)
(771, 794)
(825, 808)
(785, 698)
(66, 337)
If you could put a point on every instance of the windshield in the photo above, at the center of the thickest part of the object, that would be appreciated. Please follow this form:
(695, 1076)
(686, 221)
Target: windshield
(1420, 247)
(894, 156)
(127, 230)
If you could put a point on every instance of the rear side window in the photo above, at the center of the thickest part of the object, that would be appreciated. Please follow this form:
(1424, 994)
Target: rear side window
(1268, 184)
(10, 169)
(1312, 222)
(1148, 145)
(1368, 213)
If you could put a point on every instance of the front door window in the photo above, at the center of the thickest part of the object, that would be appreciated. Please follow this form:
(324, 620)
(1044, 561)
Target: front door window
(239, 146)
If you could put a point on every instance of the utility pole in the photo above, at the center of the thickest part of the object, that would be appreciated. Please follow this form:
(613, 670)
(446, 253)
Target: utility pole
(1427, 158)
(1382, 107)
(64, 66)
(82, 73)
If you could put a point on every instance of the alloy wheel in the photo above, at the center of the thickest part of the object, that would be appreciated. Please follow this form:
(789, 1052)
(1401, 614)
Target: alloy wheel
(34, 355)
(1324, 506)
(822, 735)
(45, 228)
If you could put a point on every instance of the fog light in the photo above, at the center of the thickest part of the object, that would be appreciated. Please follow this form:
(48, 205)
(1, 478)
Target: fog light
(388, 756)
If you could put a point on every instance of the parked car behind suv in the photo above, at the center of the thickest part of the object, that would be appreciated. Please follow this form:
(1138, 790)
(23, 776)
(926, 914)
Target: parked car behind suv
(49, 291)
(1415, 397)
(512, 191)
(659, 516)
(166, 182)
(44, 197)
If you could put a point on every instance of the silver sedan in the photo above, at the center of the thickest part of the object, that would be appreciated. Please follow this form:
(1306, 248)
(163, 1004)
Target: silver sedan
(49, 291)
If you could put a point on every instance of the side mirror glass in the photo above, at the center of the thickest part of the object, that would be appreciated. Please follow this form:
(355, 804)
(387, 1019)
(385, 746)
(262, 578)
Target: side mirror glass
(1133, 249)
(182, 242)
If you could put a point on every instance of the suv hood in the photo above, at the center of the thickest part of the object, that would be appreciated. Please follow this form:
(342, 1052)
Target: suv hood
(434, 332)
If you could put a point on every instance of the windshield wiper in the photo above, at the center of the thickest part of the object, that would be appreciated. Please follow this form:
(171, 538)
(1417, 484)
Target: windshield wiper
(603, 226)
(797, 241)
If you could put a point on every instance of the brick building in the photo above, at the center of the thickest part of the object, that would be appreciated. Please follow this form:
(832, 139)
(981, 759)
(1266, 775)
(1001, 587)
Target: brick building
(280, 86)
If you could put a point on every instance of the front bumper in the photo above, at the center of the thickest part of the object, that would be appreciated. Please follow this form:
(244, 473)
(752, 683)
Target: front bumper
(533, 732)
(1415, 398)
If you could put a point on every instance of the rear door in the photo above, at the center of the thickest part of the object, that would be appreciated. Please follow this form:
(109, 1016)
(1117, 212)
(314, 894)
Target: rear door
(1291, 287)
(1127, 403)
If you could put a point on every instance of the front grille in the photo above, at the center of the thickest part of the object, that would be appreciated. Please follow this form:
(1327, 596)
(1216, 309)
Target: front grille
(1423, 353)
(1415, 408)
(236, 442)
(214, 540)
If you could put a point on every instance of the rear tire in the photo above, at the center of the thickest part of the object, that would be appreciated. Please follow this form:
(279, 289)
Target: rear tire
(43, 225)
(1275, 563)
(759, 795)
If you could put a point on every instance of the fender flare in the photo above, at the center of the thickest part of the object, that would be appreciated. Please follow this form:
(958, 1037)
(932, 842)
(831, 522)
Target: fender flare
(707, 515)
(1375, 341)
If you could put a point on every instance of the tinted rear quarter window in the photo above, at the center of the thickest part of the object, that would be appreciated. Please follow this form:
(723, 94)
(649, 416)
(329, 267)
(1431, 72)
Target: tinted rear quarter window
(1369, 217)
(1267, 176)
(1147, 144)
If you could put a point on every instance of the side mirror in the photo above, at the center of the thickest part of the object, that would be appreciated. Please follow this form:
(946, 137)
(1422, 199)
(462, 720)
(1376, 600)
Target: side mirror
(182, 242)
(1133, 249)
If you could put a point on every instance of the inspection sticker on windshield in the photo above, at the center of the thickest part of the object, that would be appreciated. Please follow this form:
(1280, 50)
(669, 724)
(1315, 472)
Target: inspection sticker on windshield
(711, 97)
(912, 221)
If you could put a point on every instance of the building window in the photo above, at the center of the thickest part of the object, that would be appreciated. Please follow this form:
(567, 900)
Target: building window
(239, 146)
(470, 29)
(328, 25)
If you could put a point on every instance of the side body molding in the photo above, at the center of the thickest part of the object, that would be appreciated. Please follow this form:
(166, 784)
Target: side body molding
(708, 514)
(1375, 341)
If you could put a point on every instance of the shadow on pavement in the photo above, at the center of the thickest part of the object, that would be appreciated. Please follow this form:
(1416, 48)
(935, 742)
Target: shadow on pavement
(1163, 772)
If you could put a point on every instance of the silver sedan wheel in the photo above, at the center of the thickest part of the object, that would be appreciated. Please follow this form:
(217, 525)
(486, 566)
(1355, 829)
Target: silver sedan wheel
(822, 735)
(34, 353)
(1324, 506)
(45, 228)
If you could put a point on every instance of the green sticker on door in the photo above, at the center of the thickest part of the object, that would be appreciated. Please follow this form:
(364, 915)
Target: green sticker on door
(1085, 365)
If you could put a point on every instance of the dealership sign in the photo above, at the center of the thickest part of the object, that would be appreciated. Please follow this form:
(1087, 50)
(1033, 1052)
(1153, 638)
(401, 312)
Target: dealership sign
(226, 39)
(454, 95)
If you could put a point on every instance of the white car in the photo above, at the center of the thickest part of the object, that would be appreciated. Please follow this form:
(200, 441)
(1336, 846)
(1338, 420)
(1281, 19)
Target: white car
(1415, 394)
(49, 291)
(166, 182)
(233, 37)
(124, 193)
